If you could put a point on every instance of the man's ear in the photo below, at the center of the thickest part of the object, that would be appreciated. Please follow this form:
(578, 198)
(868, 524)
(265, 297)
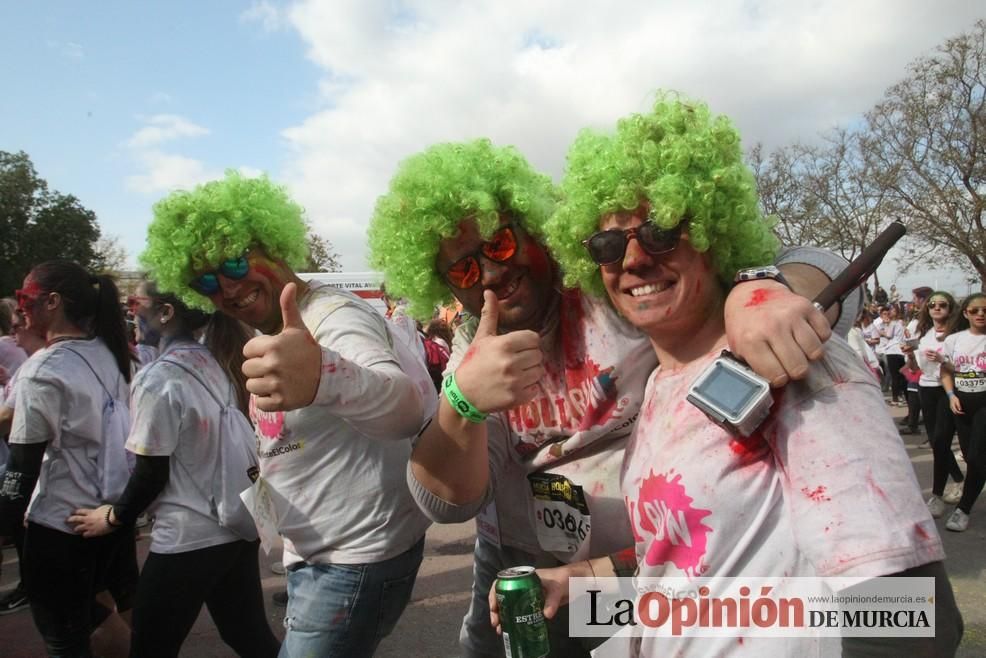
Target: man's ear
(53, 301)
(167, 312)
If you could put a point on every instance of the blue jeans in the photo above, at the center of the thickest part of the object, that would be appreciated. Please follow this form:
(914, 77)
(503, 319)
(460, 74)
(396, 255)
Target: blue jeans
(346, 609)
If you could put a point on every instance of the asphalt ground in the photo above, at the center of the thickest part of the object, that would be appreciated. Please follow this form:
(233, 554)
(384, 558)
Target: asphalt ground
(429, 627)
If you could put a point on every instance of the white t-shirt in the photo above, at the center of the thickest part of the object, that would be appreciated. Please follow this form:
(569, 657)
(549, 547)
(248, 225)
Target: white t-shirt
(59, 401)
(891, 336)
(802, 497)
(967, 353)
(930, 370)
(335, 468)
(172, 416)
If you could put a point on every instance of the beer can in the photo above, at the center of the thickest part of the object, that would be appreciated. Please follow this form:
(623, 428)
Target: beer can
(521, 602)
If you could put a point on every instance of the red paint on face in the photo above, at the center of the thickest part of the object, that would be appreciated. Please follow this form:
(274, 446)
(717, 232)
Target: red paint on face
(759, 296)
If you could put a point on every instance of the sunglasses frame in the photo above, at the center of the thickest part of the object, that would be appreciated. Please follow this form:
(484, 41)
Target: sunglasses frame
(942, 305)
(634, 232)
(511, 227)
(196, 285)
(979, 310)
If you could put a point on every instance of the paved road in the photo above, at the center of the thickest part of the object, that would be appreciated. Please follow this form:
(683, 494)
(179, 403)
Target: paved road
(429, 627)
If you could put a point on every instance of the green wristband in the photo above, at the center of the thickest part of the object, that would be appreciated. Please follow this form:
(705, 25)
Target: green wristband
(459, 402)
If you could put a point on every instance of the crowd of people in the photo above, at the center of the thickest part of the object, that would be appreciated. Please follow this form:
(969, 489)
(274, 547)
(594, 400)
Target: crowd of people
(588, 310)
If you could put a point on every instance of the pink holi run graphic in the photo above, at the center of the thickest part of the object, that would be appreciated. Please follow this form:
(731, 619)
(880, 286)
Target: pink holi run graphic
(675, 528)
(269, 424)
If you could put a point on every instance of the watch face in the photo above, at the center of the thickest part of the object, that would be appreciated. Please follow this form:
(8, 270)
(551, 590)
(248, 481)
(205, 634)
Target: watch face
(728, 390)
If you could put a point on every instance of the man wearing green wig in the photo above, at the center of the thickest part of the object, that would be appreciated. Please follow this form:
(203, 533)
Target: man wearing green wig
(333, 466)
(551, 380)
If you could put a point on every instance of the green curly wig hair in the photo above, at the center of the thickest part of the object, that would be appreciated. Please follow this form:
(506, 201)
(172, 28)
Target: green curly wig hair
(198, 229)
(685, 163)
(431, 193)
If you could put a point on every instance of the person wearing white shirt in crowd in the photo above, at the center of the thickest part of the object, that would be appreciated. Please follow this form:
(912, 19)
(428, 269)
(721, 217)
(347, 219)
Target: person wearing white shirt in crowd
(891, 331)
(857, 340)
(963, 376)
(937, 319)
(175, 434)
(333, 454)
(58, 428)
(798, 497)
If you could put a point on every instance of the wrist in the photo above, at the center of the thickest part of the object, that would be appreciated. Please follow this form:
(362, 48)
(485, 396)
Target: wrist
(459, 402)
(111, 519)
(950, 394)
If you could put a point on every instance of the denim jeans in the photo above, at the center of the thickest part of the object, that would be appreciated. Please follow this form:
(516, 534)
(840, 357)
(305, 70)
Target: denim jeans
(345, 610)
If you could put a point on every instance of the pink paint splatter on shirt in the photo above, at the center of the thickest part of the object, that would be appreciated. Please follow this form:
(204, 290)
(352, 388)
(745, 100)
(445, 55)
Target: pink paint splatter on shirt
(817, 494)
(677, 532)
(329, 368)
(875, 487)
(921, 532)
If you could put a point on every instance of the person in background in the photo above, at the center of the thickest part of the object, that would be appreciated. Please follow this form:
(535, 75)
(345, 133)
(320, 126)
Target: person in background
(857, 340)
(65, 396)
(333, 450)
(663, 241)
(891, 338)
(963, 377)
(912, 375)
(176, 433)
(937, 318)
(30, 342)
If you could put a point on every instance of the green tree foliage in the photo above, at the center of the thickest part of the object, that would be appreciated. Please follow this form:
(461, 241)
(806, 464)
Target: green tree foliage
(37, 224)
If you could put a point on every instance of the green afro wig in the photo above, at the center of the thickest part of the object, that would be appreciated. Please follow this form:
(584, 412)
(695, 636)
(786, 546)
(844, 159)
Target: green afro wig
(431, 193)
(197, 230)
(682, 160)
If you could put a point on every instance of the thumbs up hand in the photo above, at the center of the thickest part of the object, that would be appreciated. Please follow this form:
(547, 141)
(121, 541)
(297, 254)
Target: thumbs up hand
(499, 372)
(284, 370)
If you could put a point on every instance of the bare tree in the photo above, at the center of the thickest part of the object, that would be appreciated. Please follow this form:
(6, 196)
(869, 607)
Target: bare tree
(927, 140)
(111, 256)
(321, 254)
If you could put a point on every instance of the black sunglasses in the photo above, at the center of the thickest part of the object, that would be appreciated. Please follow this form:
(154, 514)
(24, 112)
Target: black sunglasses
(608, 247)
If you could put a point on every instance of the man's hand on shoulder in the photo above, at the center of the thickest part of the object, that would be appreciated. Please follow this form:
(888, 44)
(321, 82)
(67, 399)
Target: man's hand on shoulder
(776, 331)
(284, 370)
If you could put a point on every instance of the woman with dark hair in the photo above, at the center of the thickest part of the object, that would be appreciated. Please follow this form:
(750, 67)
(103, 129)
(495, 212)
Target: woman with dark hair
(936, 320)
(179, 401)
(963, 376)
(69, 399)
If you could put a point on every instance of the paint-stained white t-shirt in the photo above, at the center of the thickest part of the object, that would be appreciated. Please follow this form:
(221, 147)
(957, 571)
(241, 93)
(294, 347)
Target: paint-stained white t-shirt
(59, 401)
(805, 496)
(967, 353)
(336, 468)
(173, 416)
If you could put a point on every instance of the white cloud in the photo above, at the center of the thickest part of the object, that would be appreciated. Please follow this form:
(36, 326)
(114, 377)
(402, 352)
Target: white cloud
(265, 14)
(165, 172)
(163, 128)
(160, 171)
(401, 76)
(68, 49)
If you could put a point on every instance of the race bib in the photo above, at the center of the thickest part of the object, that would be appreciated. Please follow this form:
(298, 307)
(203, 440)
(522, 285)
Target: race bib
(560, 513)
(971, 382)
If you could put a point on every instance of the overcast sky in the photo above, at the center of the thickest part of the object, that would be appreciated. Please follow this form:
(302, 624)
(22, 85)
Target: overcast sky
(120, 102)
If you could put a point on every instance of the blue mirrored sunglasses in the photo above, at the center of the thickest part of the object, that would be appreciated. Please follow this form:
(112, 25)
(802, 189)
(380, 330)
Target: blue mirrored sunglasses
(208, 283)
